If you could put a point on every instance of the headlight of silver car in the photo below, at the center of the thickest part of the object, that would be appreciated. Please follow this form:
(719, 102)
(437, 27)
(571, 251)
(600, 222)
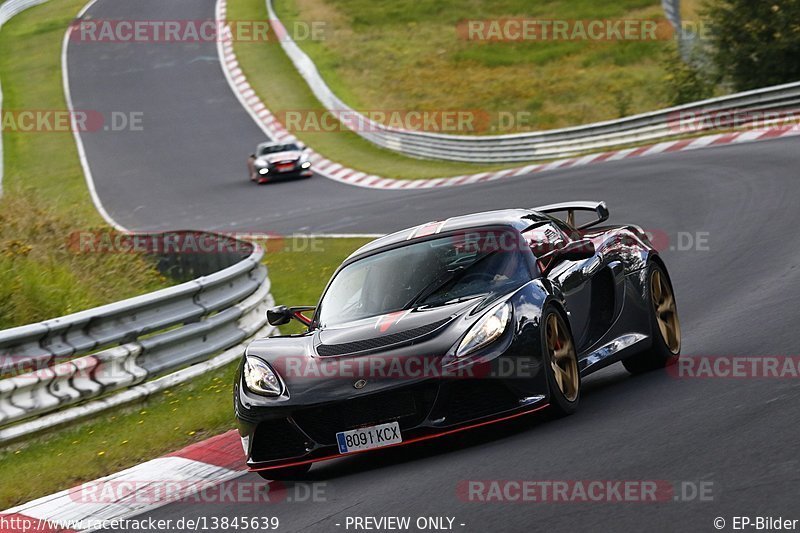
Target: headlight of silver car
(305, 164)
(486, 330)
(260, 378)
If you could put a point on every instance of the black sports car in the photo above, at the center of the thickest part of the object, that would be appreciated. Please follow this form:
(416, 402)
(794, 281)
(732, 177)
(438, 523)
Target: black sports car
(273, 161)
(451, 325)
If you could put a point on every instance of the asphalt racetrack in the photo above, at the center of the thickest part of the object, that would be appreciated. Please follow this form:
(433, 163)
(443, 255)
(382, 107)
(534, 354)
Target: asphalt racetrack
(737, 283)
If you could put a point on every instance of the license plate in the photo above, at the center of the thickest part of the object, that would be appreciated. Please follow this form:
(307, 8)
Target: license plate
(284, 168)
(370, 437)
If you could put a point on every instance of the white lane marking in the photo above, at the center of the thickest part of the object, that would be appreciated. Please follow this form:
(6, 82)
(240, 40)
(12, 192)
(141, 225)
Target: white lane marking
(87, 171)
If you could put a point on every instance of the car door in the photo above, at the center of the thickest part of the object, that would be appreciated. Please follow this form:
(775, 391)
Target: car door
(584, 284)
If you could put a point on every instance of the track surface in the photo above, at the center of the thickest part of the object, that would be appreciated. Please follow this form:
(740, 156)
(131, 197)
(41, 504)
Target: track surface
(740, 296)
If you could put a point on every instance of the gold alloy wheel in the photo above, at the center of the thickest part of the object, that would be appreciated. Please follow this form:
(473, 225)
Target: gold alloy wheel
(666, 312)
(562, 357)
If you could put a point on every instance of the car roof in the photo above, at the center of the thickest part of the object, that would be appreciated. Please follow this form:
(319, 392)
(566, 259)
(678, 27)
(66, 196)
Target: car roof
(518, 219)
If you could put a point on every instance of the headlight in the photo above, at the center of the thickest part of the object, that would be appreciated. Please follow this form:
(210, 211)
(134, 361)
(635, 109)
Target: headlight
(305, 164)
(260, 378)
(263, 171)
(487, 330)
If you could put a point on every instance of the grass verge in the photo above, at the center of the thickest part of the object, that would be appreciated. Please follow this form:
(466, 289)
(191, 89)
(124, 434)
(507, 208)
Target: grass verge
(273, 76)
(410, 55)
(41, 277)
(62, 458)
(613, 76)
(45, 163)
(45, 196)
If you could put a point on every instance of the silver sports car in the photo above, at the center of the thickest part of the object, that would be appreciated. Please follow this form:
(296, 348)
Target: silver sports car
(274, 161)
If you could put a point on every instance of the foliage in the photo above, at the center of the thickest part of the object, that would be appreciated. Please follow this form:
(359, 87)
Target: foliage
(686, 82)
(754, 43)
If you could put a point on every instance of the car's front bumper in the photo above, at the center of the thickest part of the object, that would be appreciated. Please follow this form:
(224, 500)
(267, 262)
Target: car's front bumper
(280, 437)
(420, 385)
(275, 174)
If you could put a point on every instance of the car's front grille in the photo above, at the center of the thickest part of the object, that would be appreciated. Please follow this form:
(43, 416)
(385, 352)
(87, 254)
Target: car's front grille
(409, 407)
(471, 399)
(375, 343)
(277, 439)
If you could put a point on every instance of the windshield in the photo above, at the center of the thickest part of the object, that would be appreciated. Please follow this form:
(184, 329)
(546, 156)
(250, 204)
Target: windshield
(427, 273)
(273, 149)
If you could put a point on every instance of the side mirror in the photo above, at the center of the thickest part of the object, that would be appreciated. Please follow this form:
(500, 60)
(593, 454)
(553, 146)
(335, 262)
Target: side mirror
(573, 251)
(280, 315)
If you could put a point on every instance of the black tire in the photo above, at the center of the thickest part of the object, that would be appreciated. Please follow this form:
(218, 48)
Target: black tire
(561, 404)
(663, 351)
(290, 473)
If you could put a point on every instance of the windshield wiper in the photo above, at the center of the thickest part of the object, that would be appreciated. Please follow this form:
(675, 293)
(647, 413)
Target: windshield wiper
(448, 278)
(434, 285)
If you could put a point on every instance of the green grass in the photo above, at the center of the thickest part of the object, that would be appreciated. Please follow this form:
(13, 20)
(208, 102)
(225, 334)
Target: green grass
(42, 277)
(194, 411)
(276, 81)
(45, 196)
(407, 55)
(30, 65)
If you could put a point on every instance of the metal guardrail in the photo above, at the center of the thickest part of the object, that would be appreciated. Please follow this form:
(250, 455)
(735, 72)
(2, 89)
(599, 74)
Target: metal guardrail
(13, 7)
(7, 11)
(535, 146)
(61, 362)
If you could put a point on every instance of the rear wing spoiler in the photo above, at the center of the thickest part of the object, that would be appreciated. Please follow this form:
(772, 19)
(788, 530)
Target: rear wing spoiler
(570, 207)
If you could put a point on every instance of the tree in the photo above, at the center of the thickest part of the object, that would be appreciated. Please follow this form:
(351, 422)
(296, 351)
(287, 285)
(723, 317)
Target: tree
(686, 80)
(754, 43)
